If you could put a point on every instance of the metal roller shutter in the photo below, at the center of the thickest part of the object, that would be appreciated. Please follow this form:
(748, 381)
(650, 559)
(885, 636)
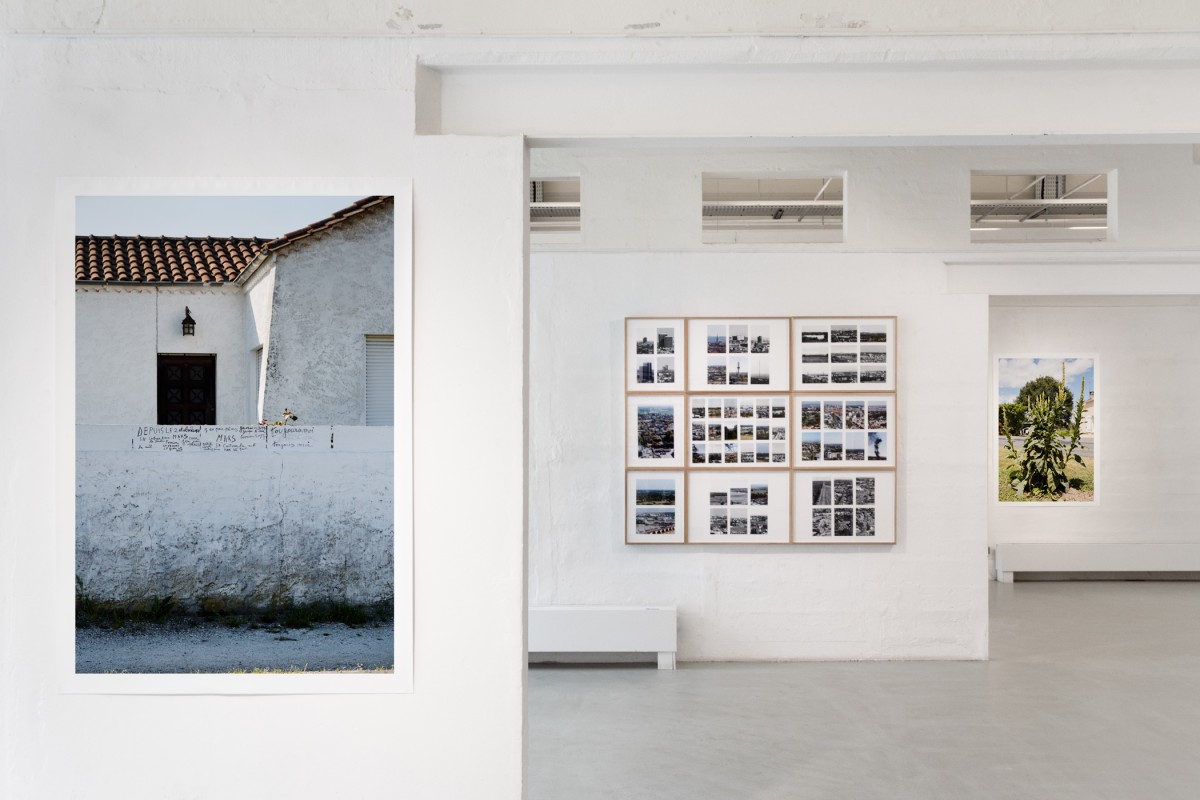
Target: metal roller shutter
(379, 383)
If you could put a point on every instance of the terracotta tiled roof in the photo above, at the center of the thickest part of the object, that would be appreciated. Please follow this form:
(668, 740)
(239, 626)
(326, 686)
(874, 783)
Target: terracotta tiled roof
(162, 259)
(346, 213)
(168, 259)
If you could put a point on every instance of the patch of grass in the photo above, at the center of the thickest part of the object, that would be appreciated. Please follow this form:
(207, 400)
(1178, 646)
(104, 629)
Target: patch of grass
(90, 612)
(277, 616)
(1081, 479)
(298, 670)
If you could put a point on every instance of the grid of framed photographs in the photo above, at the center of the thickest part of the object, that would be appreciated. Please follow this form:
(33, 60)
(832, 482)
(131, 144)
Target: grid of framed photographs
(748, 430)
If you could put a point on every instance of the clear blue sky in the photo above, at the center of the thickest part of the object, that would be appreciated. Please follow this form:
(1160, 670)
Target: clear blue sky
(178, 215)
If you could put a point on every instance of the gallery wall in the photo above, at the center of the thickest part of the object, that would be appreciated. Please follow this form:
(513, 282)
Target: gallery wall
(247, 107)
(923, 597)
(1148, 373)
(906, 219)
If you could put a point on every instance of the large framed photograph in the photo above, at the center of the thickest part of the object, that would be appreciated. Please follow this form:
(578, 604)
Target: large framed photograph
(740, 507)
(1046, 419)
(845, 507)
(236, 527)
(739, 430)
(654, 430)
(739, 355)
(846, 431)
(654, 507)
(844, 354)
(654, 354)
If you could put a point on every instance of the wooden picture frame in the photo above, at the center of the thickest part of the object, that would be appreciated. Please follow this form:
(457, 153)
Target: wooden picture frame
(844, 507)
(726, 431)
(739, 354)
(714, 449)
(844, 431)
(655, 354)
(655, 431)
(844, 354)
(655, 507)
(743, 507)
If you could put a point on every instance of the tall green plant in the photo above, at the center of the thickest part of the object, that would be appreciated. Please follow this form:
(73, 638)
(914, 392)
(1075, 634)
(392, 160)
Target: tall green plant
(1040, 468)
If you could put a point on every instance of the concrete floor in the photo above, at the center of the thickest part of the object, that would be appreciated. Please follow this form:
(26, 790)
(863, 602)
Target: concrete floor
(1093, 692)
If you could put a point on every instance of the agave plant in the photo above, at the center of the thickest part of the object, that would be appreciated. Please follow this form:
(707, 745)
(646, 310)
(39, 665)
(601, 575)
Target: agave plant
(1040, 468)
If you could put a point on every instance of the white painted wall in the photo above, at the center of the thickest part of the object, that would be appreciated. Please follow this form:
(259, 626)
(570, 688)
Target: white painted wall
(925, 597)
(248, 527)
(330, 292)
(205, 107)
(641, 254)
(620, 17)
(1149, 375)
(121, 331)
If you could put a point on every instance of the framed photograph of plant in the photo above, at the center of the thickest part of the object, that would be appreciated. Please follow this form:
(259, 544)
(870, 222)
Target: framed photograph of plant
(742, 507)
(730, 354)
(654, 507)
(654, 354)
(845, 508)
(654, 430)
(845, 431)
(844, 354)
(1046, 418)
(738, 430)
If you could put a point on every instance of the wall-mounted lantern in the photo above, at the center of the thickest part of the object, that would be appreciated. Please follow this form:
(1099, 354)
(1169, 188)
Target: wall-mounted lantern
(189, 324)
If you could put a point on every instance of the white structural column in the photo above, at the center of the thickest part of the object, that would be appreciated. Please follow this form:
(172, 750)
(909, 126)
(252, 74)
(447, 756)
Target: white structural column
(469, 476)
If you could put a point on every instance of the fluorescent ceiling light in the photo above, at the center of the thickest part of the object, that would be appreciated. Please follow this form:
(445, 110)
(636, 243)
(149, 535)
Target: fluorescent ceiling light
(1087, 228)
(985, 229)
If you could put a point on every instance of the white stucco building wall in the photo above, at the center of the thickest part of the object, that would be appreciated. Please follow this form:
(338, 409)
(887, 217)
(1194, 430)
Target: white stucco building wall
(252, 528)
(120, 332)
(330, 291)
(259, 288)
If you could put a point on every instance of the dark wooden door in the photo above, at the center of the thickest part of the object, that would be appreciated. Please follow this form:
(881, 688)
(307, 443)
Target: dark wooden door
(187, 390)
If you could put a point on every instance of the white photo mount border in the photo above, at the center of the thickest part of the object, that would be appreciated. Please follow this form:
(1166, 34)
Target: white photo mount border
(739, 507)
(739, 354)
(650, 435)
(400, 681)
(739, 435)
(844, 508)
(831, 429)
(844, 354)
(655, 507)
(1095, 413)
(655, 354)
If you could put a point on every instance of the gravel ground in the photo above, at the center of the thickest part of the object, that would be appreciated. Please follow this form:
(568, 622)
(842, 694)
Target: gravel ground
(216, 648)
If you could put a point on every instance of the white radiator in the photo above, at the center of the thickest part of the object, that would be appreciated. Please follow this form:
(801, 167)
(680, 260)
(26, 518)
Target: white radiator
(1085, 557)
(604, 629)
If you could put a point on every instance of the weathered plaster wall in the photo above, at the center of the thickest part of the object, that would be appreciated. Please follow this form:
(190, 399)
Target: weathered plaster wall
(330, 291)
(1149, 373)
(251, 526)
(121, 330)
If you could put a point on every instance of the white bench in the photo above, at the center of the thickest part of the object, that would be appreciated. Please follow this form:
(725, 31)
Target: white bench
(1013, 557)
(604, 629)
